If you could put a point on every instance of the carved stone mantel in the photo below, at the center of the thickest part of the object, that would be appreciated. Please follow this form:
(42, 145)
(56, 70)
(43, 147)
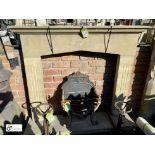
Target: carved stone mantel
(41, 41)
(36, 41)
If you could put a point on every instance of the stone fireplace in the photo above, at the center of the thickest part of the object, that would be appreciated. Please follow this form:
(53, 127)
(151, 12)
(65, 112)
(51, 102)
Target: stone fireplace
(50, 54)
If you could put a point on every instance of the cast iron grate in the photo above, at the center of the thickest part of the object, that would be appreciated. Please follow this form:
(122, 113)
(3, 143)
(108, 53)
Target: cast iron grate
(80, 92)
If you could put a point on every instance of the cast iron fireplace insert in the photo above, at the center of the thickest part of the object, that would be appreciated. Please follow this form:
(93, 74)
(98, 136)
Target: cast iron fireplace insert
(79, 92)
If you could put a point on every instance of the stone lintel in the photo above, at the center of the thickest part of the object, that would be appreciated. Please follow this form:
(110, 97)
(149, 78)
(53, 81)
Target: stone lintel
(123, 40)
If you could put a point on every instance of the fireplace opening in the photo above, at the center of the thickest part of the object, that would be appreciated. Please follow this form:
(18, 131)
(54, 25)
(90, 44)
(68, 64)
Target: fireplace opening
(99, 67)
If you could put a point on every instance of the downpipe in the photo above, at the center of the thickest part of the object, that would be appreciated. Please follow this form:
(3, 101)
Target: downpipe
(145, 126)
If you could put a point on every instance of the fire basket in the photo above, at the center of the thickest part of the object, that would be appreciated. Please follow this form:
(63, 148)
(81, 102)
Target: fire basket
(79, 97)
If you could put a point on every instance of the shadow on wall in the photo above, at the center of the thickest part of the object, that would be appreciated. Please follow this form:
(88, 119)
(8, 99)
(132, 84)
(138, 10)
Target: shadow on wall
(5, 98)
(24, 77)
(120, 98)
(123, 98)
(141, 72)
(56, 99)
(140, 75)
(109, 79)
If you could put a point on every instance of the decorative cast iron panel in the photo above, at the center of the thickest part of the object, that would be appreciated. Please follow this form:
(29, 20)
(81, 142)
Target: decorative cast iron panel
(78, 84)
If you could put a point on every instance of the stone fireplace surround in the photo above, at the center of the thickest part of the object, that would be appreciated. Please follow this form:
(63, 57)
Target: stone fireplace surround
(39, 45)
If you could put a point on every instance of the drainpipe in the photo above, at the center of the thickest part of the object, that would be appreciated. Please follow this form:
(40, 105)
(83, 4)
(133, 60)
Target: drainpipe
(145, 126)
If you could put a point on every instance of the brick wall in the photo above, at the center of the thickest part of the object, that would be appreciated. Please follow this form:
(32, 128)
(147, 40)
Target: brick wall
(99, 67)
(16, 80)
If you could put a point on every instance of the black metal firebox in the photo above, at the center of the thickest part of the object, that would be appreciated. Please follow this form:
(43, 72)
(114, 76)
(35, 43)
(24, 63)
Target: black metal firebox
(80, 93)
